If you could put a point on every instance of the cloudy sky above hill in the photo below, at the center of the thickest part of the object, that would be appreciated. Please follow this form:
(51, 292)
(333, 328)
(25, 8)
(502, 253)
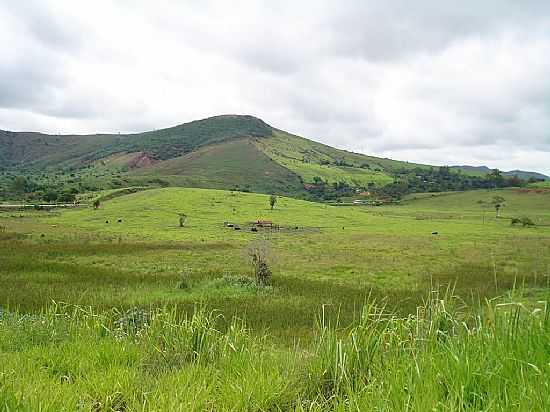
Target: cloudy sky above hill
(429, 81)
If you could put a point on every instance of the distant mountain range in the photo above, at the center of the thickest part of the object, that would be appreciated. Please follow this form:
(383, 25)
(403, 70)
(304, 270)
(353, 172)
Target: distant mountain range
(225, 152)
(483, 170)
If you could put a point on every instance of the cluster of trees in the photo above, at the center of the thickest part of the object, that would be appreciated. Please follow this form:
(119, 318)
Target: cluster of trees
(22, 187)
(322, 190)
(344, 163)
(444, 179)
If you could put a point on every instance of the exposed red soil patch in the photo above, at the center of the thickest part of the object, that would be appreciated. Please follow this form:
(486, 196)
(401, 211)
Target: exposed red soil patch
(141, 160)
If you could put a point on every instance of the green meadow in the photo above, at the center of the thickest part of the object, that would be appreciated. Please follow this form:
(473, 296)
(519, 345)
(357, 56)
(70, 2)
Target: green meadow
(430, 304)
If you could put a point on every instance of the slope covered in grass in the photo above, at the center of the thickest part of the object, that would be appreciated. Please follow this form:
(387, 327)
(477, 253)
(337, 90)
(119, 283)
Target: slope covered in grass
(236, 164)
(309, 159)
(37, 150)
(42, 150)
(155, 213)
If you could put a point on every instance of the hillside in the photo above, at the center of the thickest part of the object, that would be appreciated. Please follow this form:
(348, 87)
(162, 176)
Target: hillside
(37, 150)
(221, 152)
(236, 164)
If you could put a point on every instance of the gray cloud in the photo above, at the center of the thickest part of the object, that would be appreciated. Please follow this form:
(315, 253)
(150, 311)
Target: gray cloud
(428, 81)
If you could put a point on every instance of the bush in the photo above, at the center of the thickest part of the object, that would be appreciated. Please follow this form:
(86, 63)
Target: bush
(259, 252)
(51, 196)
(524, 221)
(66, 197)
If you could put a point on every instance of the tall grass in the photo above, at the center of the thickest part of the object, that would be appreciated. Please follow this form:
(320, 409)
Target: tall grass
(444, 357)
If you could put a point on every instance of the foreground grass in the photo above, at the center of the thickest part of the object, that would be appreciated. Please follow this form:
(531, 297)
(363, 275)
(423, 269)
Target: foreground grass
(494, 357)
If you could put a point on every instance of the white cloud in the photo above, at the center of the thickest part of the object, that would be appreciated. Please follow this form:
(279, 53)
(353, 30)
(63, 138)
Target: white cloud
(438, 82)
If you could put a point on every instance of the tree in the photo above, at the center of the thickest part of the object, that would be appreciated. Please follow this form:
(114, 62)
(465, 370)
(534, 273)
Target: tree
(526, 221)
(96, 204)
(495, 178)
(272, 201)
(66, 197)
(183, 219)
(317, 180)
(19, 184)
(498, 203)
(51, 196)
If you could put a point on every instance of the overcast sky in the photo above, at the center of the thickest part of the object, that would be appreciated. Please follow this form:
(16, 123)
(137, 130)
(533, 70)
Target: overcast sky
(439, 82)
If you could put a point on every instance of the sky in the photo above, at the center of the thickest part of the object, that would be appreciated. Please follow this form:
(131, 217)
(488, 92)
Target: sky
(430, 81)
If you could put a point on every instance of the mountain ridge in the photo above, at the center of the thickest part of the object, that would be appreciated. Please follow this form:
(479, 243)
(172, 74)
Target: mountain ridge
(483, 170)
(240, 152)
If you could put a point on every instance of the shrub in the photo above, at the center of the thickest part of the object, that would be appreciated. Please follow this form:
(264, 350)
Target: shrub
(66, 197)
(526, 221)
(183, 219)
(51, 196)
(259, 252)
(272, 201)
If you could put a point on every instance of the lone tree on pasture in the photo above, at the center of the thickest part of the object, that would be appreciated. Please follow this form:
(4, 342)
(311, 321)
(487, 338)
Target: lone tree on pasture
(498, 202)
(183, 219)
(96, 204)
(259, 252)
(272, 201)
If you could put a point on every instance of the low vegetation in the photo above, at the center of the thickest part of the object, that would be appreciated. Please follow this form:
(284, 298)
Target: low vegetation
(432, 303)
(493, 357)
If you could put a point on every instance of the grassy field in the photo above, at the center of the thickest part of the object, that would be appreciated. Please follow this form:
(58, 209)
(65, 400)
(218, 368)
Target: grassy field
(132, 255)
(542, 185)
(303, 157)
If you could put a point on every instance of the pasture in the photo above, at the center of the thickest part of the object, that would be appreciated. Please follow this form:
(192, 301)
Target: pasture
(132, 252)
(131, 256)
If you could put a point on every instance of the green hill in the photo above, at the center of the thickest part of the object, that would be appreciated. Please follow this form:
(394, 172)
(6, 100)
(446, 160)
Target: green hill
(236, 164)
(35, 150)
(222, 152)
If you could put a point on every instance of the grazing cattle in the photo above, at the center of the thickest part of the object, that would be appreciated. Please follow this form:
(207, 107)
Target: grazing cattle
(254, 229)
(237, 228)
(435, 233)
(106, 221)
(119, 220)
